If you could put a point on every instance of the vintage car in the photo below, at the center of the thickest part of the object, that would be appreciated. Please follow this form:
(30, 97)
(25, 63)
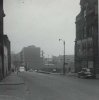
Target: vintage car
(86, 73)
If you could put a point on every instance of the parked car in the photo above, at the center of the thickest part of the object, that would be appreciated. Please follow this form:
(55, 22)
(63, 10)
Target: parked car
(21, 69)
(31, 70)
(35, 70)
(86, 73)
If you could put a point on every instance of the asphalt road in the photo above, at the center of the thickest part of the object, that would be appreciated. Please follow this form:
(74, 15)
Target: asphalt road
(55, 87)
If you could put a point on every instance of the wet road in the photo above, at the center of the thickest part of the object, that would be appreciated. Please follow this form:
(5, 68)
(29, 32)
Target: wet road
(55, 87)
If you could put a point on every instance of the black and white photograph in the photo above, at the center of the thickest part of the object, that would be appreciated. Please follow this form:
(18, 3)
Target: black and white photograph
(49, 50)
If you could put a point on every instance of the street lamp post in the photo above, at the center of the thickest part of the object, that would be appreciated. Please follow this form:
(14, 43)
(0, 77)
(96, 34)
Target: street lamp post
(63, 56)
(48, 61)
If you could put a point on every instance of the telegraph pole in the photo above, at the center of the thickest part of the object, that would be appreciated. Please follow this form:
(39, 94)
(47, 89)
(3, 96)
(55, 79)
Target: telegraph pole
(64, 59)
(63, 56)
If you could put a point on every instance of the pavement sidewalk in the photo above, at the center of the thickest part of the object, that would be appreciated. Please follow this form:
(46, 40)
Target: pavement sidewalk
(12, 88)
(12, 79)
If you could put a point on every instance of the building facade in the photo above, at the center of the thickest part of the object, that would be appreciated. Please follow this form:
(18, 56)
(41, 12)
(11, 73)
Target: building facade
(55, 64)
(31, 57)
(1, 39)
(69, 62)
(87, 42)
(7, 55)
(5, 59)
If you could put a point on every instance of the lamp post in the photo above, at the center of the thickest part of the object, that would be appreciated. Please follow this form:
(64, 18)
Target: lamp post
(48, 61)
(43, 58)
(63, 56)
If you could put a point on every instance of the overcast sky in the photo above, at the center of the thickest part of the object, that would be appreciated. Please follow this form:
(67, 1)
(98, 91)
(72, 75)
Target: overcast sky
(41, 23)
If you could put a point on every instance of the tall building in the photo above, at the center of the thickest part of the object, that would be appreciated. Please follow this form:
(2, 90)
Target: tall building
(87, 36)
(31, 57)
(5, 59)
(1, 39)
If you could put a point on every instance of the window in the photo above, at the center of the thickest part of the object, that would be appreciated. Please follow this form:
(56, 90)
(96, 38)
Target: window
(85, 35)
(90, 32)
(96, 10)
(84, 13)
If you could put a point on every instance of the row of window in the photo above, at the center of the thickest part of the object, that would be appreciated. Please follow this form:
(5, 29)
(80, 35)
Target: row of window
(85, 52)
(84, 47)
(85, 32)
(88, 43)
(84, 26)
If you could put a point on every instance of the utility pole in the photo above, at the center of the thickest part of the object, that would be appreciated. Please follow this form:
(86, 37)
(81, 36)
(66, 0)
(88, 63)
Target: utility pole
(43, 58)
(48, 61)
(64, 71)
(64, 60)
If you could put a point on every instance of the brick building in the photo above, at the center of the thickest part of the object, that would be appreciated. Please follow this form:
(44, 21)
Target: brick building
(87, 41)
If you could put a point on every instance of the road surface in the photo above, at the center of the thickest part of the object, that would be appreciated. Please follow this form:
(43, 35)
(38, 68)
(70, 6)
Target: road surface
(57, 87)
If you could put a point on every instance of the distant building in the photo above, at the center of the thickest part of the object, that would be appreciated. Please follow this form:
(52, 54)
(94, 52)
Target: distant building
(56, 62)
(31, 57)
(15, 61)
(87, 36)
(69, 62)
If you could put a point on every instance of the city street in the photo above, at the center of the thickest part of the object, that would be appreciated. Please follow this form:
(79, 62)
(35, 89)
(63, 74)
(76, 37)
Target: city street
(57, 87)
(49, 49)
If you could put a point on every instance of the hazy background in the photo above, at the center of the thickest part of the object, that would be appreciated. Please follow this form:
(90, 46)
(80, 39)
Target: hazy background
(41, 23)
